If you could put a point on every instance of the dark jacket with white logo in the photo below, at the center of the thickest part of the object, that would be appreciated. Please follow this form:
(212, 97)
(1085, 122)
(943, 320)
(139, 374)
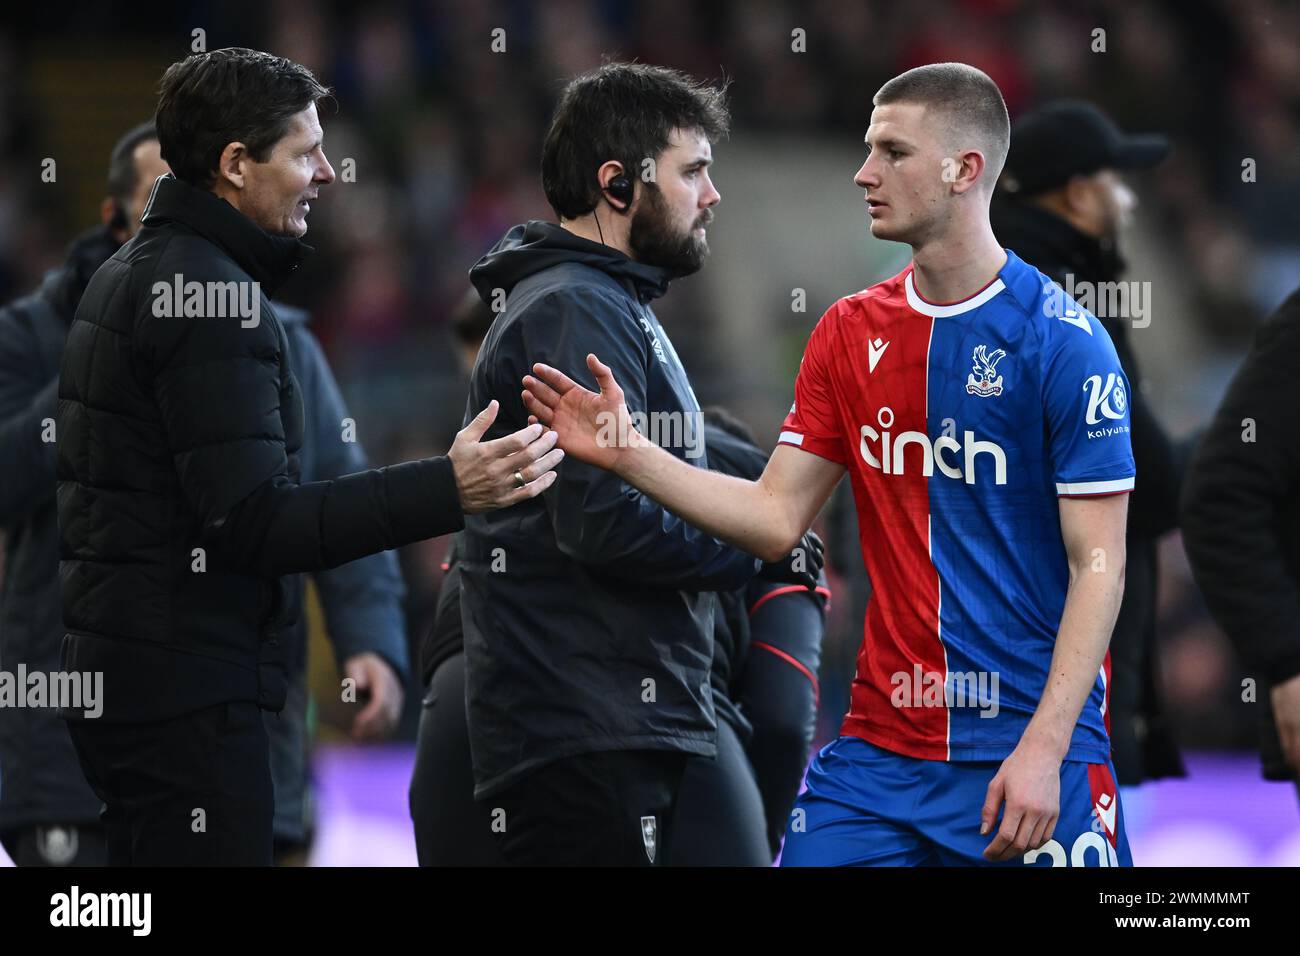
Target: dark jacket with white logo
(179, 503)
(587, 622)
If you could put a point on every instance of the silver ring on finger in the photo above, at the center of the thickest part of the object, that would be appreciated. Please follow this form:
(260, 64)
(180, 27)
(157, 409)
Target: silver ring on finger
(519, 479)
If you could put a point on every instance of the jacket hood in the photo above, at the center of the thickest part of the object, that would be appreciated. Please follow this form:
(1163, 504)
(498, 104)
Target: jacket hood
(536, 245)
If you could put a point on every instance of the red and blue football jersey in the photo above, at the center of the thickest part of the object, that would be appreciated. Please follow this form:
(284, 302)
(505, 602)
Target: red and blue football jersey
(960, 426)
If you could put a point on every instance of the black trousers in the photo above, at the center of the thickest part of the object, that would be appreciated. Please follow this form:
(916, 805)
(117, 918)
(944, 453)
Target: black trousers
(451, 828)
(717, 821)
(612, 808)
(719, 816)
(193, 790)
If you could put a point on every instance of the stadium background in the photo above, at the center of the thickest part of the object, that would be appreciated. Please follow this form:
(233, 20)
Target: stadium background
(445, 136)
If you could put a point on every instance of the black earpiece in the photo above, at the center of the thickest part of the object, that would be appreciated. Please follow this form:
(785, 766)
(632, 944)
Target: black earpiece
(620, 187)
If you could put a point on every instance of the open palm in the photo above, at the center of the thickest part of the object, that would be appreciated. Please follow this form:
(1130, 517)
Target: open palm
(594, 428)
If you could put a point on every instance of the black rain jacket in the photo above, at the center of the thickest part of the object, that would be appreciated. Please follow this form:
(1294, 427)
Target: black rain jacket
(587, 611)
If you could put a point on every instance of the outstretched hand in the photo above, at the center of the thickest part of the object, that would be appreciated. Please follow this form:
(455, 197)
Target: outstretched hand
(594, 428)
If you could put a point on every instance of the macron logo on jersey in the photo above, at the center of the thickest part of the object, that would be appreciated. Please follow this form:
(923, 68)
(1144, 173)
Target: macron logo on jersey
(875, 350)
(1058, 303)
(1106, 812)
(1077, 320)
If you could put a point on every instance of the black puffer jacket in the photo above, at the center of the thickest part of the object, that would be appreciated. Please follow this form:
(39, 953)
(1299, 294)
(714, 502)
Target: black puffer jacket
(179, 502)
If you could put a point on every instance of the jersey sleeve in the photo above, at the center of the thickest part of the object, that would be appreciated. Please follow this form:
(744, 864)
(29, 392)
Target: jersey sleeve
(1086, 406)
(813, 424)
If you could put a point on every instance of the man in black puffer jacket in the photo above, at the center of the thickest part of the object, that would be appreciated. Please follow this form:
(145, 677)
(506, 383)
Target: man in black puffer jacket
(179, 506)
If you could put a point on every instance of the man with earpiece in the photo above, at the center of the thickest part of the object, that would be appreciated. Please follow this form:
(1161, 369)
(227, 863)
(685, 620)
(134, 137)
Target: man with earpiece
(588, 611)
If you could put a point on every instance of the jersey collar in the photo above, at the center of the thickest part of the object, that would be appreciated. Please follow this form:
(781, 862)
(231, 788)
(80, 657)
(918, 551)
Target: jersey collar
(943, 310)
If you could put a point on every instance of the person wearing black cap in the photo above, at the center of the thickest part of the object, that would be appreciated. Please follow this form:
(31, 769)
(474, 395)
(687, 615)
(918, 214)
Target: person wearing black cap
(1061, 205)
(1065, 143)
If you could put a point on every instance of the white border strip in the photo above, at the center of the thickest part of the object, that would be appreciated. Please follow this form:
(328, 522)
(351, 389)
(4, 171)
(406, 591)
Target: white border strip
(957, 308)
(794, 438)
(1094, 487)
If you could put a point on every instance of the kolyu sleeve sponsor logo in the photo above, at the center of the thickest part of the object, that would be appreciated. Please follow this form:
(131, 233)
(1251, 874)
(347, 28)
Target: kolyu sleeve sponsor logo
(1106, 402)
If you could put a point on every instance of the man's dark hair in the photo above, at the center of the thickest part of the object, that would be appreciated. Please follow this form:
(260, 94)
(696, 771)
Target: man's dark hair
(967, 98)
(623, 112)
(210, 100)
(123, 177)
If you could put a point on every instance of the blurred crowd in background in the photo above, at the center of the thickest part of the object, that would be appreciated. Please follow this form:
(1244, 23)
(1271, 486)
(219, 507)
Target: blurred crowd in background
(443, 133)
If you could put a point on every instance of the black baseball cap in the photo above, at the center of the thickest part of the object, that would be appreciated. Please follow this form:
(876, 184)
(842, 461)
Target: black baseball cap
(1069, 138)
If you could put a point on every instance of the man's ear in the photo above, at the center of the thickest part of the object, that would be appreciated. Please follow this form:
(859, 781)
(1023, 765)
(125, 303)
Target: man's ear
(611, 169)
(230, 166)
(1078, 195)
(114, 218)
(971, 167)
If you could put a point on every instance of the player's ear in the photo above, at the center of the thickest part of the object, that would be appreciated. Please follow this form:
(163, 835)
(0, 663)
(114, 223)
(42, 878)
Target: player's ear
(970, 167)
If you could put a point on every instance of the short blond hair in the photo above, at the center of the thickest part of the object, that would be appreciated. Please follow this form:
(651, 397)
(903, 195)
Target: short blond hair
(968, 97)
